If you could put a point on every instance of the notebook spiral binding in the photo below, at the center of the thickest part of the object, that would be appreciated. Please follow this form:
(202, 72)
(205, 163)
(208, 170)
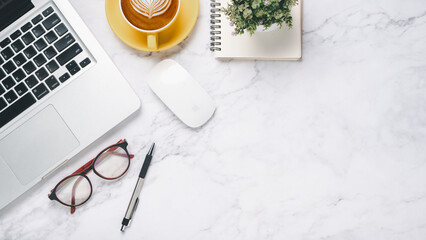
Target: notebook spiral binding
(214, 26)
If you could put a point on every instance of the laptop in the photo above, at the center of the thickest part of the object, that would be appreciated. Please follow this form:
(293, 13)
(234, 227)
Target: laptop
(59, 91)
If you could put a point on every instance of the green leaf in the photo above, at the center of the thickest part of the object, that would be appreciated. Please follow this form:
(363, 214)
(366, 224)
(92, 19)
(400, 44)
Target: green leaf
(247, 15)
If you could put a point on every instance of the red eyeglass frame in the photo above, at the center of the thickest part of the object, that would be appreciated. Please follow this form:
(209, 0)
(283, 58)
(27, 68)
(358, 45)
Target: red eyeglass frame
(85, 169)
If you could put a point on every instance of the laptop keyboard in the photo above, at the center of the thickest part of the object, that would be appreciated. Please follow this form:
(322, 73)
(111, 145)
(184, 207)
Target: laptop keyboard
(34, 61)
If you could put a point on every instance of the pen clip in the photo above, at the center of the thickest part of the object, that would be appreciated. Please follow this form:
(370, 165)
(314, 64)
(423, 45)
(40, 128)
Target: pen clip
(134, 208)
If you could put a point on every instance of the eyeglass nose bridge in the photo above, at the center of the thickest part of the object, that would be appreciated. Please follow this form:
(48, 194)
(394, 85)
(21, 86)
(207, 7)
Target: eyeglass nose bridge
(87, 170)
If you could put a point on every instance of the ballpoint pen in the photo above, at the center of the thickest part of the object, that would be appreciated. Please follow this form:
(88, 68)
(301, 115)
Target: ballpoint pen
(135, 196)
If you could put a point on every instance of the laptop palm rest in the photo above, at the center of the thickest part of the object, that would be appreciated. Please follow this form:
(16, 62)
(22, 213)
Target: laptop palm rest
(37, 145)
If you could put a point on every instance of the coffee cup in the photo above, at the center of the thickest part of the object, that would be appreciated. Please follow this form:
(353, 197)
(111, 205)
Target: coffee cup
(150, 17)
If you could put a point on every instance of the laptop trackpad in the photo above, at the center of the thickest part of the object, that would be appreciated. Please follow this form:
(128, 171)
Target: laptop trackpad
(37, 145)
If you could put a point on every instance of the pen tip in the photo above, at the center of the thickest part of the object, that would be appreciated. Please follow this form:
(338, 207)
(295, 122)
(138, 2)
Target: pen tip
(151, 150)
(122, 228)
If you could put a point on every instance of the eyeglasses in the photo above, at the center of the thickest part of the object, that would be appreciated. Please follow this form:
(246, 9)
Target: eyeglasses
(111, 163)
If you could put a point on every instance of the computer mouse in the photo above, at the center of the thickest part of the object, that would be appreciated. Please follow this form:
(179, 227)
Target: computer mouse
(181, 93)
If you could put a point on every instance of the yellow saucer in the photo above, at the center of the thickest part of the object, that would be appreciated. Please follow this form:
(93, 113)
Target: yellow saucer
(168, 38)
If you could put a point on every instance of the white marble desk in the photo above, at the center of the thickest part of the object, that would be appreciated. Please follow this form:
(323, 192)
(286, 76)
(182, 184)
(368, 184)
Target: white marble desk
(331, 147)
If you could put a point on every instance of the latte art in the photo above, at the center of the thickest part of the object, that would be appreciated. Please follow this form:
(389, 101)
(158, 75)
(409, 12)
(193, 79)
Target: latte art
(149, 15)
(150, 8)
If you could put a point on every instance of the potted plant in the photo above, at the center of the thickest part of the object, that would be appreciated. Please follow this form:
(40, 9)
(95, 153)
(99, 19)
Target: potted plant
(255, 15)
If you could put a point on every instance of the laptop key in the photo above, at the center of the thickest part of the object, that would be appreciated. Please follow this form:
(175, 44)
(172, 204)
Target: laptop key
(29, 67)
(64, 42)
(31, 81)
(52, 83)
(50, 52)
(9, 67)
(39, 60)
(37, 19)
(30, 52)
(16, 108)
(51, 36)
(21, 89)
(19, 59)
(38, 30)
(41, 74)
(19, 75)
(26, 27)
(40, 44)
(3, 103)
(17, 45)
(71, 65)
(28, 38)
(15, 34)
(8, 83)
(2, 75)
(85, 62)
(1, 60)
(10, 96)
(75, 70)
(64, 77)
(48, 11)
(69, 54)
(52, 66)
(51, 21)
(7, 53)
(2, 90)
(5, 42)
(61, 29)
(40, 91)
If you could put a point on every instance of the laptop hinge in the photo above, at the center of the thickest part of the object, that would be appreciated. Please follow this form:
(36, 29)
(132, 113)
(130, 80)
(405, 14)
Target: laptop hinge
(53, 170)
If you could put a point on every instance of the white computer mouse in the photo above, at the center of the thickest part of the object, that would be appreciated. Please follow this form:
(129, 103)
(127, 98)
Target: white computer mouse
(181, 93)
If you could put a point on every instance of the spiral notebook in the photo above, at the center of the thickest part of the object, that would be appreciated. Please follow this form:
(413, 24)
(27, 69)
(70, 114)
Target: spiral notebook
(280, 44)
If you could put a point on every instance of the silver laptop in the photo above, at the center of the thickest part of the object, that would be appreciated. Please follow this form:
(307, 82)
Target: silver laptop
(59, 91)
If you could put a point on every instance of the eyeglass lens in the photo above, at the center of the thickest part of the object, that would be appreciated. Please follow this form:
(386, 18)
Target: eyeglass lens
(112, 163)
(74, 190)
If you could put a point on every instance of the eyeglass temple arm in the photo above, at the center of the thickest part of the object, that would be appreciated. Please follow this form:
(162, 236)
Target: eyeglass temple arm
(74, 188)
(89, 164)
(80, 170)
(84, 168)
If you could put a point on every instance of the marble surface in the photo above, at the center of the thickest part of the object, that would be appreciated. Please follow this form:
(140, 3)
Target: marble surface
(331, 147)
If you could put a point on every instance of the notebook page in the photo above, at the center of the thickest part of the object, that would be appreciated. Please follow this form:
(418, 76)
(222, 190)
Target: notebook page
(284, 43)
